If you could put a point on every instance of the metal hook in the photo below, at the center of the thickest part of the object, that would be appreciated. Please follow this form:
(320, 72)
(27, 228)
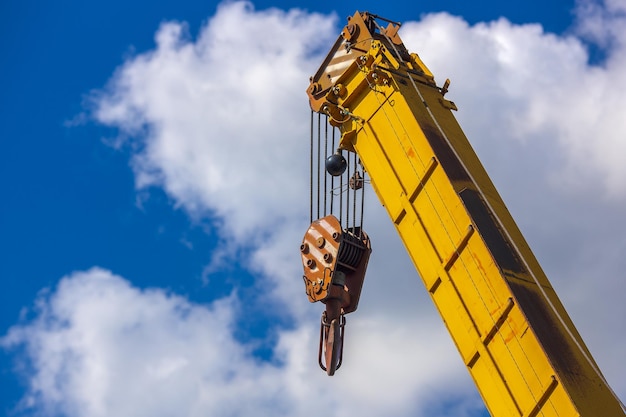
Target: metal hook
(331, 342)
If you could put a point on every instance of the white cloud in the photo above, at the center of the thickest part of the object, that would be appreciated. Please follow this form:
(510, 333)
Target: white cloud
(602, 22)
(99, 347)
(222, 124)
(224, 117)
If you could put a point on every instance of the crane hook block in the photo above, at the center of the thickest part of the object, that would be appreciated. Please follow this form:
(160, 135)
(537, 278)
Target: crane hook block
(334, 257)
(334, 261)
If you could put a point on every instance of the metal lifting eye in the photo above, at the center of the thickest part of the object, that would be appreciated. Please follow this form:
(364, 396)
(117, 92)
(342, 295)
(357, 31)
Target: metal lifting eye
(336, 164)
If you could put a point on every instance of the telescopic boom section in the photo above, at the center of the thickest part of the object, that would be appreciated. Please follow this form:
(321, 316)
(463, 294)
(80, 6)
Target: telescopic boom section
(512, 332)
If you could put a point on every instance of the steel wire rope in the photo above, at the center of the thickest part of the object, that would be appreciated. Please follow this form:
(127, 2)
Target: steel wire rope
(362, 205)
(332, 178)
(325, 175)
(340, 199)
(319, 122)
(311, 171)
(512, 242)
(451, 240)
(354, 189)
(348, 193)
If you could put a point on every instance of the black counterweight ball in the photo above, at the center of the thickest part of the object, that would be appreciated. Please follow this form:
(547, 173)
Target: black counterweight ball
(336, 164)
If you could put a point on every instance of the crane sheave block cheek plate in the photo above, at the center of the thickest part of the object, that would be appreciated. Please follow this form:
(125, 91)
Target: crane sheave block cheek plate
(332, 256)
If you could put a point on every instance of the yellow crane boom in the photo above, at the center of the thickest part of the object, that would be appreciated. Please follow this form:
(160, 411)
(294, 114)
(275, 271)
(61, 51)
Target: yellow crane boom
(511, 330)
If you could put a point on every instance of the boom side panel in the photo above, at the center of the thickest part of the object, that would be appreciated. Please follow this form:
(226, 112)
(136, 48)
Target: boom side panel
(448, 250)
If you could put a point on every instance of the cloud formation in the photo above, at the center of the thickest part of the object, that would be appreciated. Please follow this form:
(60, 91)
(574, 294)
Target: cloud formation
(223, 131)
(99, 347)
(221, 123)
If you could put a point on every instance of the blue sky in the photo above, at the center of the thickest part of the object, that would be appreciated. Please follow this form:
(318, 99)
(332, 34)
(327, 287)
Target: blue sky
(152, 168)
